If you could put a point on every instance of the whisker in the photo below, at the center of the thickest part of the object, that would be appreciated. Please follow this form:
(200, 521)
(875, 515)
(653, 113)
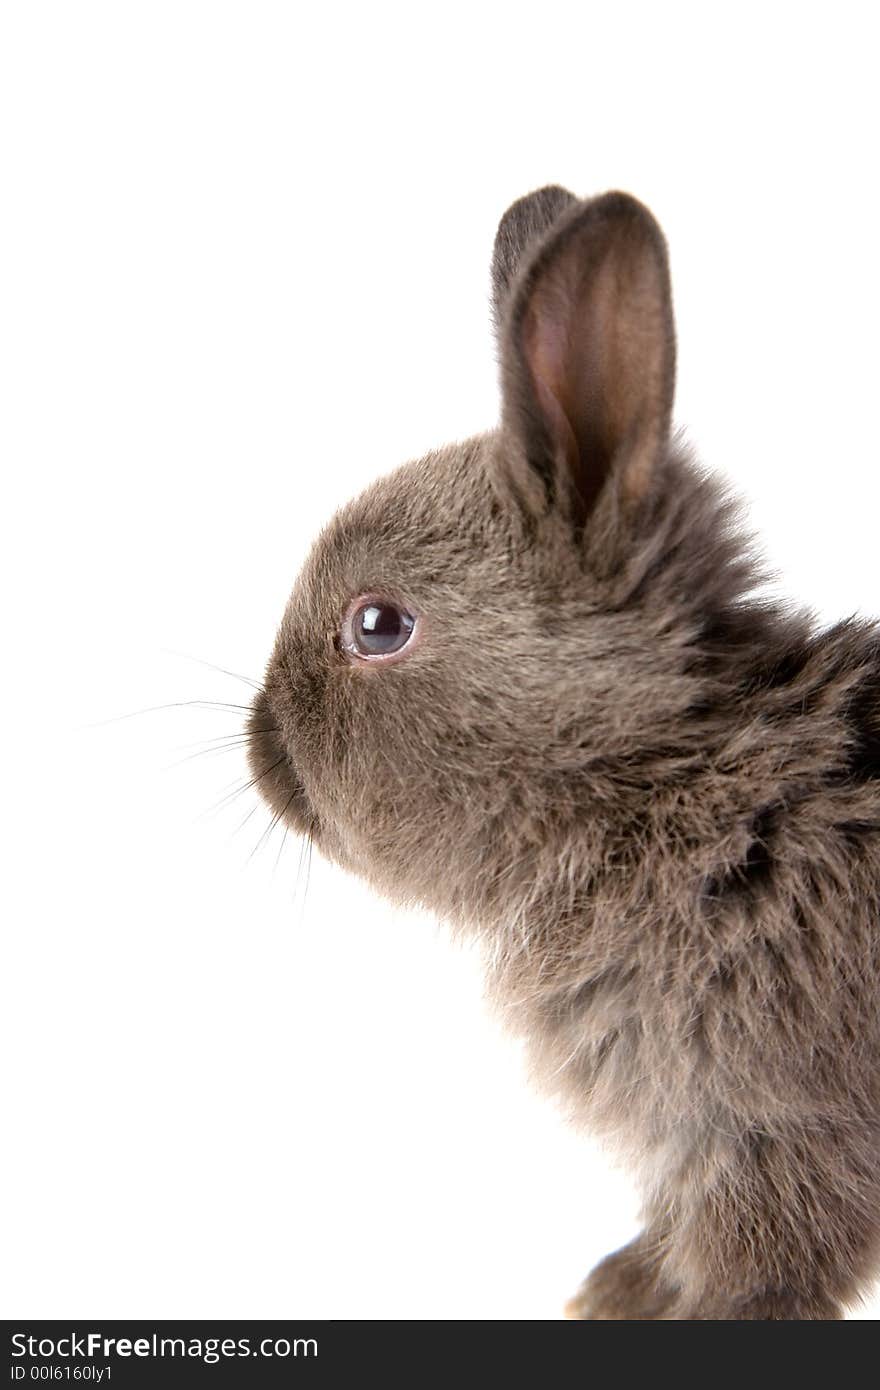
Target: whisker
(265, 835)
(271, 826)
(281, 850)
(230, 744)
(241, 734)
(237, 788)
(246, 786)
(155, 709)
(309, 844)
(204, 753)
(241, 825)
(299, 865)
(185, 656)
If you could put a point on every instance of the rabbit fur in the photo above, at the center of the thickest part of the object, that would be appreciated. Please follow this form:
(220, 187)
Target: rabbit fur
(650, 790)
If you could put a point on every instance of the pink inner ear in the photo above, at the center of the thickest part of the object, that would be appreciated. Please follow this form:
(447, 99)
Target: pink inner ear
(596, 348)
(547, 349)
(546, 335)
(595, 343)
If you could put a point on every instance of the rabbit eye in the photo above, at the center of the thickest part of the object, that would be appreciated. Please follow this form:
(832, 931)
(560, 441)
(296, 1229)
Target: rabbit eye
(377, 628)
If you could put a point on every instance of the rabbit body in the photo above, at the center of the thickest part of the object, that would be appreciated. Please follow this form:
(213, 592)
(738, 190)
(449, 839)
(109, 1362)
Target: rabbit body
(652, 793)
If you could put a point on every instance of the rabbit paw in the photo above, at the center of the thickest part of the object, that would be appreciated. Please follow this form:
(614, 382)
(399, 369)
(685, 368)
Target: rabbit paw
(627, 1285)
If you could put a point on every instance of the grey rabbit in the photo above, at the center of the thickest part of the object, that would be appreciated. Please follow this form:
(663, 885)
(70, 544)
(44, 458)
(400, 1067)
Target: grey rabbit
(530, 682)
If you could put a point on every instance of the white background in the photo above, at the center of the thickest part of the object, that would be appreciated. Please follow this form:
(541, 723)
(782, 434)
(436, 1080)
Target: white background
(244, 270)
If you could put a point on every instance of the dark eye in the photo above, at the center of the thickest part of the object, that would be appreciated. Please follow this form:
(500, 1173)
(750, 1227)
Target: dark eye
(377, 628)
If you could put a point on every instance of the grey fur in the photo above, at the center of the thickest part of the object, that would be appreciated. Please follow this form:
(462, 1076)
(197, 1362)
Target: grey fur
(653, 794)
(521, 227)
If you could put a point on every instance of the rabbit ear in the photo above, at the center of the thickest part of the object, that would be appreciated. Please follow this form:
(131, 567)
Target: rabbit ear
(519, 230)
(588, 358)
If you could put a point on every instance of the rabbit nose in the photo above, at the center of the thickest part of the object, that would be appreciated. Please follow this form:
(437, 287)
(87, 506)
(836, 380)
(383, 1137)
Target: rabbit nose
(273, 774)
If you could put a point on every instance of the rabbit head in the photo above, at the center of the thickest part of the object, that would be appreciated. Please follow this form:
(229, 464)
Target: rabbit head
(476, 645)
